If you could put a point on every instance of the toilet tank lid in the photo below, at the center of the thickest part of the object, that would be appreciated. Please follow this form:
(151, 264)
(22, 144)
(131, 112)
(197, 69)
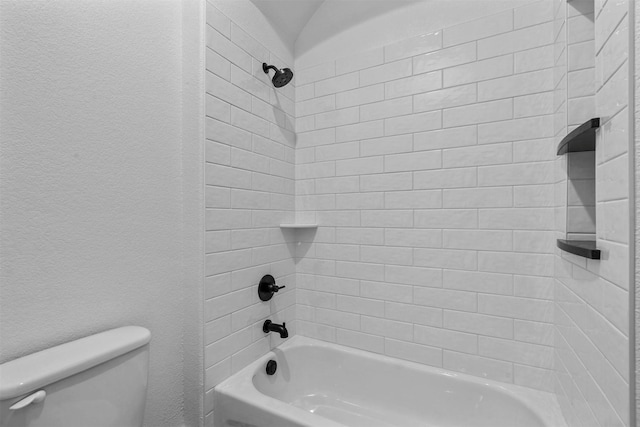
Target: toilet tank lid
(25, 374)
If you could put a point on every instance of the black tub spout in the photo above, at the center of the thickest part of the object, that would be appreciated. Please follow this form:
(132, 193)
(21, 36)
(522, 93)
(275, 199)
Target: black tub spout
(269, 326)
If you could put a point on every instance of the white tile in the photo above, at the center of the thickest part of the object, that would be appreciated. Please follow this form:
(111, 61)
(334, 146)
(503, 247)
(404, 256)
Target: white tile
(384, 109)
(413, 161)
(445, 258)
(359, 131)
(337, 84)
(227, 92)
(519, 219)
(358, 305)
(420, 315)
(517, 174)
(248, 121)
(534, 59)
(346, 150)
(386, 218)
(430, 356)
(337, 118)
(479, 28)
(445, 298)
(532, 14)
(445, 98)
(445, 58)
(446, 339)
(248, 43)
(227, 49)
(413, 123)
(533, 105)
(386, 255)
(445, 138)
(218, 65)
(417, 199)
(478, 281)
(517, 85)
(387, 328)
(413, 275)
(338, 319)
(412, 85)
(533, 332)
(386, 72)
(497, 240)
(314, 138)
(360, 340)
(443, 218)
(516, 130)
(516, 307)
(386, 291)
(490, 154)
(478, 113)
(513, 351)
(386, 182)
(360, 96)
(480, 324)
(413, 46)
(518, 40)
(386, 145)
(360, 61)
(478, 71)
(217, 20)
(581, 55)
(316, 105)
(315, 73)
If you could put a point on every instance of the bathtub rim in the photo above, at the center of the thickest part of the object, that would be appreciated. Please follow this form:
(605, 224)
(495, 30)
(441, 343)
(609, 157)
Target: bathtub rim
(240, 385)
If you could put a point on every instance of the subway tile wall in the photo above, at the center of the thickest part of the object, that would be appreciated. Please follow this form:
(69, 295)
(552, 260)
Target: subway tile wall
(249, 173)
(429, 165)
(591, 297)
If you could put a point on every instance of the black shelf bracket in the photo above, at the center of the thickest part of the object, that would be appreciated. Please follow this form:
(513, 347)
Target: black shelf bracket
(582, 138)
(583, 248)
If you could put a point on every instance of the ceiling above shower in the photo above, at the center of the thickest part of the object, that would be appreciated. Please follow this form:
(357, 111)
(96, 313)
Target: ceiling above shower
(290, 17)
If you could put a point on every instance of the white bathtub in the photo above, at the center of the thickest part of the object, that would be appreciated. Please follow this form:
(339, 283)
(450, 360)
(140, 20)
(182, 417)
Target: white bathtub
(328, 385)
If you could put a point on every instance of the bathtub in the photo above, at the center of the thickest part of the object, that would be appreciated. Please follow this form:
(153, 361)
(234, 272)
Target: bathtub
(328, 385)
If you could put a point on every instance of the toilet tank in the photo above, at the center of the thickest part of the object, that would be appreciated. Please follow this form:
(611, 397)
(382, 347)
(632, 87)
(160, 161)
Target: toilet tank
(96, 381)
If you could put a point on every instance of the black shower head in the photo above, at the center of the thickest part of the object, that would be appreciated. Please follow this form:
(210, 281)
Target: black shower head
(281, 77)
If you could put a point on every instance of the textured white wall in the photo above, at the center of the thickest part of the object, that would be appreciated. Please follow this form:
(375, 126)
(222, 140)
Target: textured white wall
(91, 207)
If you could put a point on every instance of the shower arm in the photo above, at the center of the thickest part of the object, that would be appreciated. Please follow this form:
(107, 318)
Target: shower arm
(266, 68)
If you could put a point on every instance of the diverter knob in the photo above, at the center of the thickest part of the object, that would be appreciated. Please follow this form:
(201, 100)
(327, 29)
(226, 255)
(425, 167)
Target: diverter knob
(267, 287)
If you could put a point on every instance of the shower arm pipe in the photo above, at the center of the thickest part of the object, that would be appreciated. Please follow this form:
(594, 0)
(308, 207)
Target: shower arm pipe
(266, 68)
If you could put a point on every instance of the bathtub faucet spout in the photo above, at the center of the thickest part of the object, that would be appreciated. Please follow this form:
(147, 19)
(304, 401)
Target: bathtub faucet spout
(269, 326)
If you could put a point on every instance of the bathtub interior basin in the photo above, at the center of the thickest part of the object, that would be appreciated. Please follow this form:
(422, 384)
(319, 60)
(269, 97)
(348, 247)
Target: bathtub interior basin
(324, 384)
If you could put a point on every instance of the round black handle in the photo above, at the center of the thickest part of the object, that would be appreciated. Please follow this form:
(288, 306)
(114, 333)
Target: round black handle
(267, 287)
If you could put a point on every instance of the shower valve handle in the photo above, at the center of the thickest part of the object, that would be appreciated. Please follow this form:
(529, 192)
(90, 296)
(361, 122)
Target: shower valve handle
(267, 287)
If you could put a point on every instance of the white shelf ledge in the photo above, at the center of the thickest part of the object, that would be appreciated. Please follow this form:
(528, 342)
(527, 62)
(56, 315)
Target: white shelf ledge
(298, 226)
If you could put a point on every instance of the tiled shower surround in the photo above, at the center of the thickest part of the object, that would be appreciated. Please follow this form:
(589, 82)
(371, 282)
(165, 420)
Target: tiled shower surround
(249, 174)
(430, 167)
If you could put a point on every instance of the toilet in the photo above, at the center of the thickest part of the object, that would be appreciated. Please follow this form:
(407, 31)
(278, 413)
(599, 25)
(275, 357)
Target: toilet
(96, 381)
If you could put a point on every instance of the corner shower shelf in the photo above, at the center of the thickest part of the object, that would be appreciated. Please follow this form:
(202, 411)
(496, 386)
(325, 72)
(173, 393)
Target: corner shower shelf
(583, 248)
(298, 226)
(582, 138)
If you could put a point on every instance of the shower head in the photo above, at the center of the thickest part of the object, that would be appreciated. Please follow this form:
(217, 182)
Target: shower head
(281, 77)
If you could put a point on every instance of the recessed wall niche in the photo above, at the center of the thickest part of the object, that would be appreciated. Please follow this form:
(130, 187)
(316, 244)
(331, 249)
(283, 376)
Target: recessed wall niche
(579, 147)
